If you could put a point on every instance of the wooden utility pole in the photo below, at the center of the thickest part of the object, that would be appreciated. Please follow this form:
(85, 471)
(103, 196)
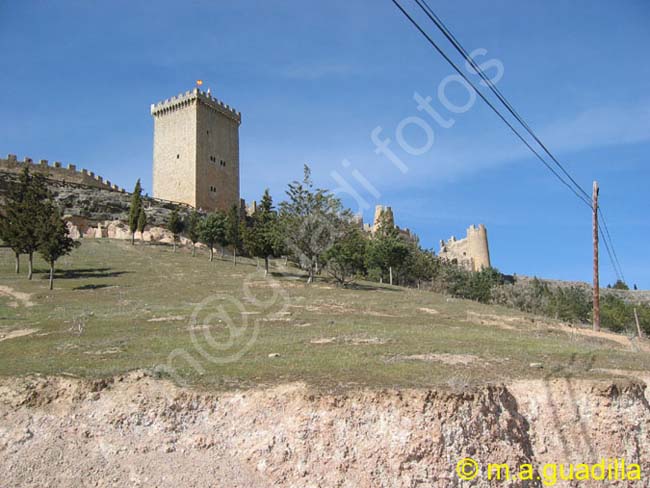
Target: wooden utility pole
(596, 312)
(638, 326)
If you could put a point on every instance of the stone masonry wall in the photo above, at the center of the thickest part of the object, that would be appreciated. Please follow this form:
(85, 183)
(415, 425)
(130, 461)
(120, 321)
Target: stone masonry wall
(472, 252)
(57, 172)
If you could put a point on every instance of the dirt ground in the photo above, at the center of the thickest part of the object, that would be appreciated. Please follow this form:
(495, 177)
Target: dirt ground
(135, 430)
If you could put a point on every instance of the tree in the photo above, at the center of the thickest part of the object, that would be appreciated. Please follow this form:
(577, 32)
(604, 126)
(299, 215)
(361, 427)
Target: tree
(175, 225)
(135, 209)
(54, 240)
(345, 259)
(311, 222)
(620, 285)
(142, 222)
(420, 265)
(194, 229)
(234, 231)
(14, 216)
(387, 248)
(262, 238)
(213, 230)
(27, 215)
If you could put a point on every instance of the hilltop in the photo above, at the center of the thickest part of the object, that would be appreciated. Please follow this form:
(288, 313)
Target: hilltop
(120, 308)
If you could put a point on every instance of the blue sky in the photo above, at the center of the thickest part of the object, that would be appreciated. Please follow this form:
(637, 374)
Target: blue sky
(314, 79)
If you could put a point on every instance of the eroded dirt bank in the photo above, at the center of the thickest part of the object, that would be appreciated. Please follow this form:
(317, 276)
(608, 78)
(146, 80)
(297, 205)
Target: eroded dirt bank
(138, 431)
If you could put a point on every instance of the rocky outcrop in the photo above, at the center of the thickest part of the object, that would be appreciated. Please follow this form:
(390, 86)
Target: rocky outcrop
(80, 228)
(100, 213)
(137, 431)
(95, 205)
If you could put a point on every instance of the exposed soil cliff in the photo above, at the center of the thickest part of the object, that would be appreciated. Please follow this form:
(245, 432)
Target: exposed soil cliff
(138, 431)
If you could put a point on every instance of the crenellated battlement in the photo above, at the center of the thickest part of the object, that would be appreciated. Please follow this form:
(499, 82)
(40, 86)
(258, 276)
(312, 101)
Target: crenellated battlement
(57, 172)
(471, 252)
(195, 96)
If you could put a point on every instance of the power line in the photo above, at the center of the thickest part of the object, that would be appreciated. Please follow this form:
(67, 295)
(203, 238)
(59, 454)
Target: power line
(494, 109)
(459, 47)
(610, 254)
(620, 269)
(447, 33)
(583, 195)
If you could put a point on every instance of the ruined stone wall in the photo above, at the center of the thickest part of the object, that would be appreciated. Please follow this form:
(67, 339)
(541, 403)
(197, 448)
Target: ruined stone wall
(57, 172)
(196, 151)
(382, 211)
(472, 252)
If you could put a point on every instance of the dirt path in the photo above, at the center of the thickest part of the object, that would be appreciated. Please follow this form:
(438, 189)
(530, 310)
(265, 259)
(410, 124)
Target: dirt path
(5, 336)
(23, 298)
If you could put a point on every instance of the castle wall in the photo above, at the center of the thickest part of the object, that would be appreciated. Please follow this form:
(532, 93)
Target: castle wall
(472, 252)
(57, 172)
(196, 151)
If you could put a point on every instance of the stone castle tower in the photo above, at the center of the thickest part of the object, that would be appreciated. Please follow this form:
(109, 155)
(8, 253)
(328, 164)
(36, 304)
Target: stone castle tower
(471, 252)
(382, 211)
(196, 151)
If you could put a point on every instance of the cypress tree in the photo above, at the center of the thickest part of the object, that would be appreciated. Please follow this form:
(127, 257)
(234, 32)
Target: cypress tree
(12, 217)
(142, 222)
(135, 209)
(31, 213)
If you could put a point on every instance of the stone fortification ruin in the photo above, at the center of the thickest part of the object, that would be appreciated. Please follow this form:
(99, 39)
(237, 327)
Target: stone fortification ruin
(196, 151)
(384, 213)
(195, 164)
(472, 252)
(57, 172)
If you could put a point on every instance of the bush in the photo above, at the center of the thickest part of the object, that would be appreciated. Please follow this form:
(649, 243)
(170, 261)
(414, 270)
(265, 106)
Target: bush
(460, 283)
(615, 314)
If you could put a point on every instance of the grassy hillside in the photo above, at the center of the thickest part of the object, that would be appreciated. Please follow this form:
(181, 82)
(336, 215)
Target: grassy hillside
(118, 307)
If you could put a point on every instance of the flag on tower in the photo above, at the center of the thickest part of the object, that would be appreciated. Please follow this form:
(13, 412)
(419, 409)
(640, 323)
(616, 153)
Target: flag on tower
(199, 82)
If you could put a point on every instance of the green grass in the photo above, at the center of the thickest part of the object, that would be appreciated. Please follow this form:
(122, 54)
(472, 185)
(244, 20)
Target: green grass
(366, 334)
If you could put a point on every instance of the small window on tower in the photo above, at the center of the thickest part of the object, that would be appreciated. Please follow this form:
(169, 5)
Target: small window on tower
(178, 156)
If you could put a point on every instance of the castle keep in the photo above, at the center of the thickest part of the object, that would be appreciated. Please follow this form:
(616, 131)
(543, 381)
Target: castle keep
(196, 151)
(472, 253)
